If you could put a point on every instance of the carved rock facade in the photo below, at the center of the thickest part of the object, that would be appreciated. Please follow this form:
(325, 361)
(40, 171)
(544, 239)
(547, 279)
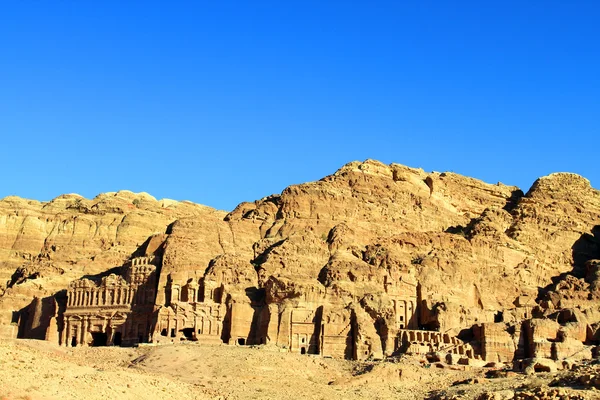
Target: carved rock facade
(371, 261)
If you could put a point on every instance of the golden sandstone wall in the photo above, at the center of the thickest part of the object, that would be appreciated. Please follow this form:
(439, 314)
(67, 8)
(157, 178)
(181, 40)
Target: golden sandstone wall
(347, 266)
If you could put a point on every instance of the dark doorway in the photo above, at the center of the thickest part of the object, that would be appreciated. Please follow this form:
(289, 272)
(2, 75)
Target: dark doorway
(302, 350)
(188, 333)
(74, 341)
(118, 339)
(241, 341)
(541, 368)
(99, 339)
(163, 332)
(499, 317)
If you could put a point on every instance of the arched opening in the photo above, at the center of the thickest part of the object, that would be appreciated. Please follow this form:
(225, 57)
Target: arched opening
(241, 341)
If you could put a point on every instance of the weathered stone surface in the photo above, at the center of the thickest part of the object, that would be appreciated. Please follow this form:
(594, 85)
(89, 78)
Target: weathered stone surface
(44, 246)
(355, 265)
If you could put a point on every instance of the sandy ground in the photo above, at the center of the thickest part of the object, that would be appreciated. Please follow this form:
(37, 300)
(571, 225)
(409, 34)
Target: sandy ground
(32, 369)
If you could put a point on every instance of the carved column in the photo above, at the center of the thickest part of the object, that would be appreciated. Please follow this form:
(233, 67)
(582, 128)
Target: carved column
(67, 334)
(83, 332)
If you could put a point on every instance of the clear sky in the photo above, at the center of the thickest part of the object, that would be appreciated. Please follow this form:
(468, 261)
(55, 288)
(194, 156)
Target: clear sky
(221, 102)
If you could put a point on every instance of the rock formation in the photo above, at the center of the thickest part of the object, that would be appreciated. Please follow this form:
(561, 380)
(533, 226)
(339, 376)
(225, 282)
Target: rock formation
(372, 261)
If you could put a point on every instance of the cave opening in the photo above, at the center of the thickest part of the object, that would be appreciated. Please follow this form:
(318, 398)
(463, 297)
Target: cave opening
(499, 317)
(541, 368)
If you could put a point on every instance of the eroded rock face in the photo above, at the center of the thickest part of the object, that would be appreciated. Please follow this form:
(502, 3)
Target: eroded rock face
(44, 246)
(370, 261)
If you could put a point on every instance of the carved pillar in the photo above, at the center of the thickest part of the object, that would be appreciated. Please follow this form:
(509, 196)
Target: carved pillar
(110, 334)
(168, 324)
(83, 331)
(67, 334)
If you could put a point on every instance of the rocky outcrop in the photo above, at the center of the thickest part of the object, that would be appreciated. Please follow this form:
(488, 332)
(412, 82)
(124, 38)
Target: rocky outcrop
(353, 265)
(44, 246)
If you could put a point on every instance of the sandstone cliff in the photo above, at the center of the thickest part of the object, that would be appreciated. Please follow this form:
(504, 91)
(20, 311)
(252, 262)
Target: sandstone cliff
(360, 256)
(44, 246)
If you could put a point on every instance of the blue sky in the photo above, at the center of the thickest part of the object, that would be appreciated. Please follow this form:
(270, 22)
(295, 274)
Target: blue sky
(223, 102)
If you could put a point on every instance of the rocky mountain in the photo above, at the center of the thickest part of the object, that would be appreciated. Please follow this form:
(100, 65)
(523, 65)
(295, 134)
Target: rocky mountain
(354, 265)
